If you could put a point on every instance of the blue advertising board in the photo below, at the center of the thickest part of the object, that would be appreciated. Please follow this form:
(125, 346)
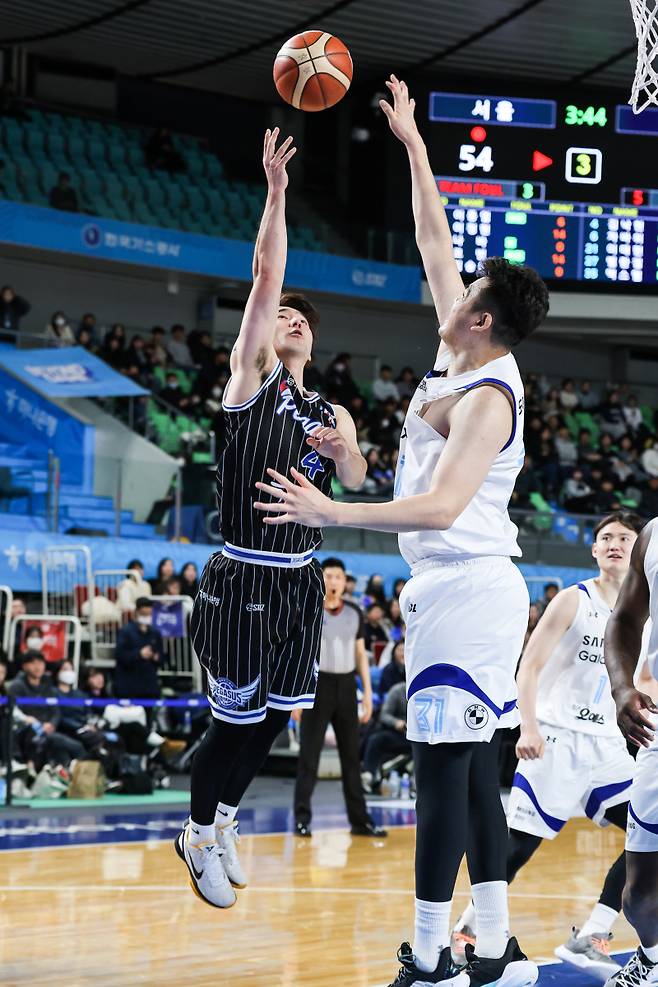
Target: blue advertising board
(108, 239)
(70, 372)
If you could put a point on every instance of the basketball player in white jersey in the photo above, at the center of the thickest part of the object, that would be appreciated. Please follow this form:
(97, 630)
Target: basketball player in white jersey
(573, 758)
(637, 716)
(466, 605)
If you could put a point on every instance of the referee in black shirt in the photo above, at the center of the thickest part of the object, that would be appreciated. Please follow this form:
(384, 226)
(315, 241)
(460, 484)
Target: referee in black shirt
(342, 653)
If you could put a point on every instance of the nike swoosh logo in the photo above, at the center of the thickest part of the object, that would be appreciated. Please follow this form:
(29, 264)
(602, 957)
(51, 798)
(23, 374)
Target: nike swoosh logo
(197, 873)
(194, 830)
(221, 814)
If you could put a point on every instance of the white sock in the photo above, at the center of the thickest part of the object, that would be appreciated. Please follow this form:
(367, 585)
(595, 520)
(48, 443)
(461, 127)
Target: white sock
(490, 900)
(651, 953)
(198, 834)
(225, 814)
(467, 917)
(601, 920)
(431, 932)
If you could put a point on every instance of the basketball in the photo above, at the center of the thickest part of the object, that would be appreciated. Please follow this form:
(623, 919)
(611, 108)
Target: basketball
(313, 71)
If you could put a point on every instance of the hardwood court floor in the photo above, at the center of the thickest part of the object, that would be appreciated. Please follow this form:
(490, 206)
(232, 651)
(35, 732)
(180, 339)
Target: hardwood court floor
(331, 910)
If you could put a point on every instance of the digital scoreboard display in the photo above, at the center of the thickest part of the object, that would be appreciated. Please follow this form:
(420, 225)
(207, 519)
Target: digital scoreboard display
(568, 186)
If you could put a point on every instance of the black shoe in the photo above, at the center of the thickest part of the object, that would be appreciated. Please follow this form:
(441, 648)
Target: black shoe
(513, 969)
(409, 973)
(302, 829)
(369, 830)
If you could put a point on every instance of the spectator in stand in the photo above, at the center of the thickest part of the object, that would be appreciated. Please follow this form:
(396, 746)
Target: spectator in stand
(568, 395)
(375, 591)
(177, 347)
(384, 387)
(139, 650)
(649, 458)
(407, 383)
(83, 338)
(565, 447)
(394, 671)
(632, 413)
(551, 404)
(174, 395)
(588, 399)
(160, 152)
(62, 195)
(526, 483)
(385, 427)
(388, 739)
(12, 309)
(59, 330)
(157, 350)
(374, 632)
(534, 614)
(532, 437)
(189, 578)
(37, 726)
(130, 589)
(112, 352)
(73, 719)
(137, 359)
(577, 496)
(398, 586)
(94, 684)
(612, 415)
(393, 621)
(649, 502)
(606, 499)
(338, 379)
(547, 464)
(165, 572)
(88, 323)
(587, 454)
(350, 593)
(199, 343)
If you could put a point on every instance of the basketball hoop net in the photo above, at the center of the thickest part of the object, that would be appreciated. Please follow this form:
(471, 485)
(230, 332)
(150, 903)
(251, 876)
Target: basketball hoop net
(645, 83)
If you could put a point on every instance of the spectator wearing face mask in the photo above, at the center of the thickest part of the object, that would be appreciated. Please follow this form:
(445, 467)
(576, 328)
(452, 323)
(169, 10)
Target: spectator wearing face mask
(138, 654)
(175, 397)
(12, 310)
(59, 330)
(39, 737)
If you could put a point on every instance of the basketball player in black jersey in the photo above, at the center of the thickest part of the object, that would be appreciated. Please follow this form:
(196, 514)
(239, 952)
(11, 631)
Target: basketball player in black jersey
(257, 619)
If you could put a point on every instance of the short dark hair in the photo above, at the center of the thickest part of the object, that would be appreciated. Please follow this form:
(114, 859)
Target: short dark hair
(32, 655)
(629, 520)
(292, 299)
(518, 297)
(333, 563)
(375, 603)
(135, 564)
(143, 601)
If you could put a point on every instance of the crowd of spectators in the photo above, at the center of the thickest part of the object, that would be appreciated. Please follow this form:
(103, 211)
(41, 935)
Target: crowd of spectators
(590, 448)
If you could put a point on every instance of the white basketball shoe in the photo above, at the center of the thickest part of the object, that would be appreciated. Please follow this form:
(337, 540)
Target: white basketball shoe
(228, 838)
(207, 875)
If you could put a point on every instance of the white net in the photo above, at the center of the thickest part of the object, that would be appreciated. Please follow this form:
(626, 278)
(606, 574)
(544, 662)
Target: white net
(645, 83)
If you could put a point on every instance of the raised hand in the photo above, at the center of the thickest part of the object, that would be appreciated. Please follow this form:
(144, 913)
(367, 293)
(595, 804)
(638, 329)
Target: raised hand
(400, 115)
(330, 443)
(275, 161)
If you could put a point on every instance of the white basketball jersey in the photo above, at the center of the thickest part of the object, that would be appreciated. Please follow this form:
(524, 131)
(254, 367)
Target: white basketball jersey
(484, 527)
(574, 689)
(651, 572)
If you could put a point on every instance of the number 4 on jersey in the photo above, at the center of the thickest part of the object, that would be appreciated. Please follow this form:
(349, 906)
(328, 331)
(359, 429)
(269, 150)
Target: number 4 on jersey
(312, 464)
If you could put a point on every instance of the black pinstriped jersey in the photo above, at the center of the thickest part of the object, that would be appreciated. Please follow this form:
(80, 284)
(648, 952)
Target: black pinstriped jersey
(270, 430)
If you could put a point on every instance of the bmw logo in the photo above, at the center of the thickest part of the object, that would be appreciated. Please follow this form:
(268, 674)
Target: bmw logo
(91, 235)
(476, 717)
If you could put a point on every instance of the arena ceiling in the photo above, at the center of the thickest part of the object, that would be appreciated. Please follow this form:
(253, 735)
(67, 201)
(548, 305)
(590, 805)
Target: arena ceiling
(228, 46)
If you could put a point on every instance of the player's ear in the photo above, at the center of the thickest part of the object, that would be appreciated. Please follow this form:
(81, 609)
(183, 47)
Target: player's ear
(483, 322)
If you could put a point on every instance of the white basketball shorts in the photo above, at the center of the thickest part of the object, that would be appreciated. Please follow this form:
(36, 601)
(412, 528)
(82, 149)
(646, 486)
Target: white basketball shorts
(465, 626)
(642, 831)
(578, 773)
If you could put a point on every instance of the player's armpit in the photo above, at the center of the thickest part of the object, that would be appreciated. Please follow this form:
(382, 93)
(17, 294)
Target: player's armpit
(480, 426)
(623, 633)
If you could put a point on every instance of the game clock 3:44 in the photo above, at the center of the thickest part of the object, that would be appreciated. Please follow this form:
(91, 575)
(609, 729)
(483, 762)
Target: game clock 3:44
(588, 116)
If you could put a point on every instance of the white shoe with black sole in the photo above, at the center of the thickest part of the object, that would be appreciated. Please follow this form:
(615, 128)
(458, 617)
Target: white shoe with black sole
(207, 875)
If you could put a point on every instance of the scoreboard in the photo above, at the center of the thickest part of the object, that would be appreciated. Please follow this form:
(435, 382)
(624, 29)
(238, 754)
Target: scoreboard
(569, 186)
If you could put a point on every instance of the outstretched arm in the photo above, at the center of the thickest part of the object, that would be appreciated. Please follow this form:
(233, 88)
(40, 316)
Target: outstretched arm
(554, 623)
(623, 640)
(480, 426)
(433, 234)
(253, 355)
